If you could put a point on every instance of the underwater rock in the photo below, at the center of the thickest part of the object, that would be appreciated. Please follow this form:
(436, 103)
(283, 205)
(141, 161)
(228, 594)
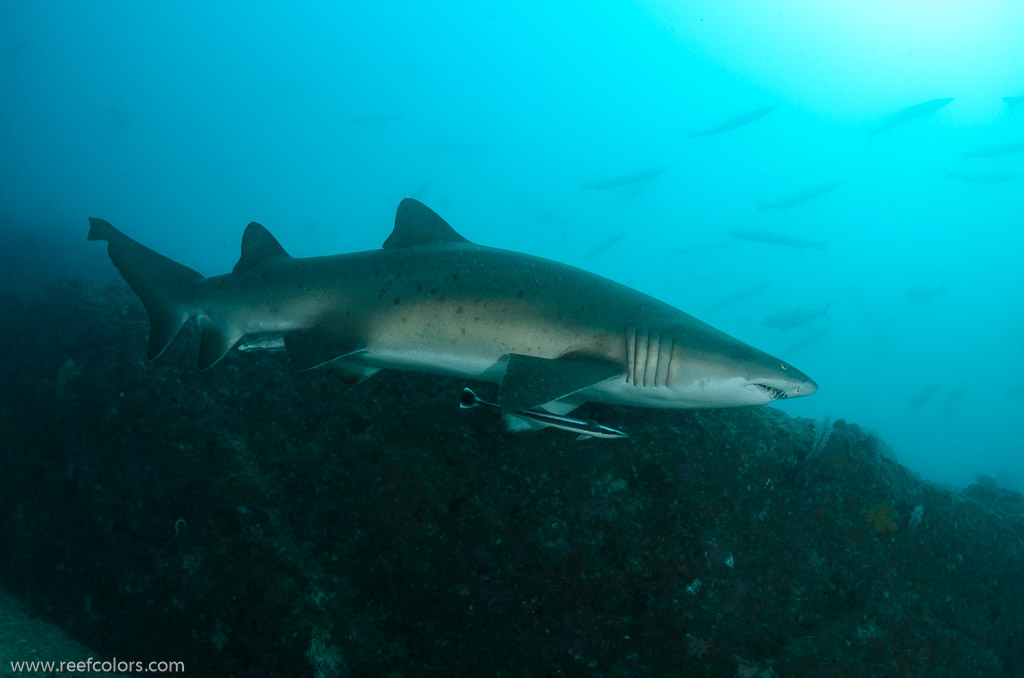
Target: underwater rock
(252, 520)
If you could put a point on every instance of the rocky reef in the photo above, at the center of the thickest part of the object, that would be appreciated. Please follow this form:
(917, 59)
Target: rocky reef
(252, 520)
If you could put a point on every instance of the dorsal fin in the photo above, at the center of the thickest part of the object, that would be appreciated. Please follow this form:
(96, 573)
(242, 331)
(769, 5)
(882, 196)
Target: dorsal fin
(416, 225)
(258, 247)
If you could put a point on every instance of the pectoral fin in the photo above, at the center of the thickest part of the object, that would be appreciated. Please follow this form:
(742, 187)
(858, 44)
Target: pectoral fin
(532, 382)
(315, 346)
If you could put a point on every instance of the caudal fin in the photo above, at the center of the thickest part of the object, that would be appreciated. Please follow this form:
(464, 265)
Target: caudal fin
(165, 287)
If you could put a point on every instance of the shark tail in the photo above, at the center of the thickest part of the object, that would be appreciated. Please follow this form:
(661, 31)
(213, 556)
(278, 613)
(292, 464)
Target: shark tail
(165, 287)
(824, 309)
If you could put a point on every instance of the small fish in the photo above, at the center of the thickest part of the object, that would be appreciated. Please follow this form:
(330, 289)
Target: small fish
(995, 178)
(733, 123)
(736, 298)
(947, 409)
(797, 198)
(605, 244)
(623, 181)
(777, 239)
(787, 320)
(908, 114)
(811, 339)
(586, 428)
(367, 119)
(1013, 102)
(956, 394)
(923, 396)
(919, 294)
(995, 151)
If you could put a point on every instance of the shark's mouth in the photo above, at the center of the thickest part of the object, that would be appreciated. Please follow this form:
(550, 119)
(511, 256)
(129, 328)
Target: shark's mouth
(770, 391)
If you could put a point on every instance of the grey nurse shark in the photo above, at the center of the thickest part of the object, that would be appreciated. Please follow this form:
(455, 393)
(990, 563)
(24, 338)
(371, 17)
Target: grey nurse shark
(551, 335)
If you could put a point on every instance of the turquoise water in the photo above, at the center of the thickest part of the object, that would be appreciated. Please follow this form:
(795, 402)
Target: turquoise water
(181, 123)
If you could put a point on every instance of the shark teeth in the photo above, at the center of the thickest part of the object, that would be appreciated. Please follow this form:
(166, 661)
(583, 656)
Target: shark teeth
(772, 392)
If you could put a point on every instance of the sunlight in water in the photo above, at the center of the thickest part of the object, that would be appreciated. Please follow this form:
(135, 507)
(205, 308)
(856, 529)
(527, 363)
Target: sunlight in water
(856, 55)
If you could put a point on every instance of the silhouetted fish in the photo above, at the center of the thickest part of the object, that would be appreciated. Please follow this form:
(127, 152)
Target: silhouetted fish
(908, 114)
(733, 123)
(995, 178)
(777, 239)
(919, 294)
(605, 244)
(1013, 102)
(787, 320)
(952, 398)
(995, 151)
(797, 198)
(745, 293)
(811, 339)
(923, 396)
(626, 180)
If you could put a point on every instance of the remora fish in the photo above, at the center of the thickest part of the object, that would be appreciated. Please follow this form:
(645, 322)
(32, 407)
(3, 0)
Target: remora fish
(787, 320)
(551, 335)
(263, 342)
(733, 123)
(908, 114)
(996, 178)
(996, 151)
(797, 198)
(777, 239)
(586, 428)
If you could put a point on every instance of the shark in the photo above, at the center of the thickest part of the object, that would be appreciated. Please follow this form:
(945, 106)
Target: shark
(552, 336)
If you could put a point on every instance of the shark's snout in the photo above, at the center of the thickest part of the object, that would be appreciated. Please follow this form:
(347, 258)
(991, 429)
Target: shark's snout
(807, 388)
